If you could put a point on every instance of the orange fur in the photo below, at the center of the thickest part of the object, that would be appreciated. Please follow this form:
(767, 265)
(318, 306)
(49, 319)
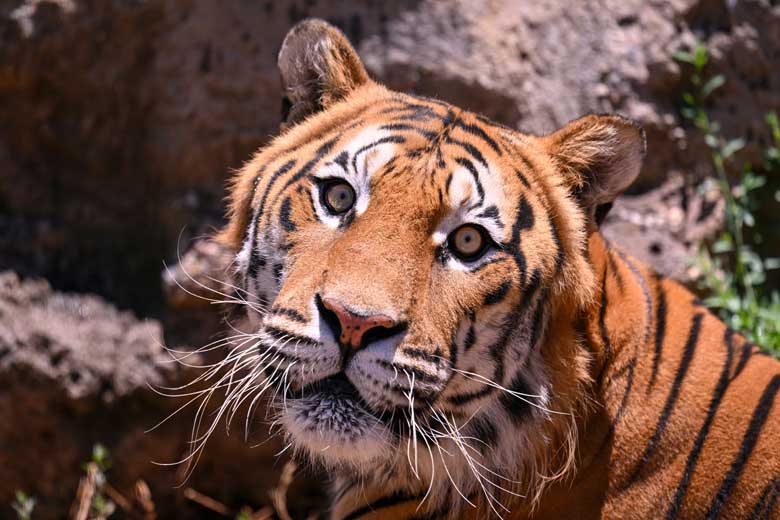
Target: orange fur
(664, 412)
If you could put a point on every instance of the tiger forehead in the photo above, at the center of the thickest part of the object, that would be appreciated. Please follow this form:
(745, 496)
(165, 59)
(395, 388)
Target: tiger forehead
(423, 143)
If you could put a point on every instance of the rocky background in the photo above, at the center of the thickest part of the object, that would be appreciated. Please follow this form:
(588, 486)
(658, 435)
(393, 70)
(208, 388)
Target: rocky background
(120, 121)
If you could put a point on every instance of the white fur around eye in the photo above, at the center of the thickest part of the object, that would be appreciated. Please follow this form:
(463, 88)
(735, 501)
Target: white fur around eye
(362, 161)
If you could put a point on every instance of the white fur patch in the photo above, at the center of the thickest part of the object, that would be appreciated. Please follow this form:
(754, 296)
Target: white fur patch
(363, 161)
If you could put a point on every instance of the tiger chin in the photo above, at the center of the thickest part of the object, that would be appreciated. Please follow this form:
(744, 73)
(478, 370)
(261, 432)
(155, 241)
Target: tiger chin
(443, 327)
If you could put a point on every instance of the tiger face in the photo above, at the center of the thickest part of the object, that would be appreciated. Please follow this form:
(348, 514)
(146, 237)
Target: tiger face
(403, 259)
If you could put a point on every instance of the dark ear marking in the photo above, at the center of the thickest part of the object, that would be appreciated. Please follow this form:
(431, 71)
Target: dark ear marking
(318, 67)
(601, 212)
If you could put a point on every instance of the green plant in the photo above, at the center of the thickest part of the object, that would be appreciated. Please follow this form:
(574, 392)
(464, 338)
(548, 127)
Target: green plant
(24, 505)
(732, 272)
(101, 506)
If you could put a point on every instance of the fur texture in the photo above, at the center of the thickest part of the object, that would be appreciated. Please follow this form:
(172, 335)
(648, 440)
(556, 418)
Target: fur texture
(550, 377)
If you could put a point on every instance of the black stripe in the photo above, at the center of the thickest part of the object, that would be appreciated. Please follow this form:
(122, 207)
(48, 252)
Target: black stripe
(536, 322)
(461, 399)
(559, 255)
(471, 338)
(424, 355)
(378, 142)
(518, 409)
(480, 133)
(342, 159)
(418, 374)
(645, 291)
(473, 171)
(483, 429)
(698, 443)
(498, 294)
(674, 393)
(749, 441)
(523, 220)
(767, 501)
(603, 332)
(491, 212)
(498, 348)
(469, 148)
(278, 269)
(615, 271)
(289, 313)
(630, 368)
(748, 351)
(660, 331)
(283, 336)
(522, 178)
(285, 215)
(528, 166)
(405, 127)
(256, 262)
(323, 150)
(286, 167)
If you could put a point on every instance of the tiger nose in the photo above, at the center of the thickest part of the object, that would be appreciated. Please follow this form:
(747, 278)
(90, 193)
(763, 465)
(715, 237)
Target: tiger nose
(353, 326)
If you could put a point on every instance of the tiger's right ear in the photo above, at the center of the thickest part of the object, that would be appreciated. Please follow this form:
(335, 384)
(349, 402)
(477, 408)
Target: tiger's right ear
(318, 67)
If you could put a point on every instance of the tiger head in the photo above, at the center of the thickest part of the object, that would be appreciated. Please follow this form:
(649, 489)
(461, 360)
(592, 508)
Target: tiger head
(409, 267)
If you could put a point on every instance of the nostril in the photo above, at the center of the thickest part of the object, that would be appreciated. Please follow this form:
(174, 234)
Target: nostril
(381, 332)
(353, 330)
(329, 317)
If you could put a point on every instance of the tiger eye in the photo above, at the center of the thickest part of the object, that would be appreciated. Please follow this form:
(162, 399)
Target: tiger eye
(339, 197)
(467, 242)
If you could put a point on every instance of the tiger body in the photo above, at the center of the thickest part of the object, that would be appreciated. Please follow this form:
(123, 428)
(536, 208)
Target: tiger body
(544, 374)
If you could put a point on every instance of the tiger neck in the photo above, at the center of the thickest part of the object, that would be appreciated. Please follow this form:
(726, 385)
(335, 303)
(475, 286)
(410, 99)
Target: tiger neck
(619, 319)
(599, 341)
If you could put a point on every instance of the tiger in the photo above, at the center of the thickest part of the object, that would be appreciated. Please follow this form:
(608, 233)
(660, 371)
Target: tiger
(447, 334)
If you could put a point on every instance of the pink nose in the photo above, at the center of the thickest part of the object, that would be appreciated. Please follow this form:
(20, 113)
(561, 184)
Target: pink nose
(354, 326)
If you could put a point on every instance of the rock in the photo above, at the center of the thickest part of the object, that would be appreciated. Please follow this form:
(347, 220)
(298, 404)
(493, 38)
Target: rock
(74, 371)
(127, 116)
(664, 227)
(200, 278)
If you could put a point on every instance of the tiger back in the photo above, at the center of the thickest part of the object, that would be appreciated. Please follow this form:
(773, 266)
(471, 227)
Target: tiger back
(443, 328)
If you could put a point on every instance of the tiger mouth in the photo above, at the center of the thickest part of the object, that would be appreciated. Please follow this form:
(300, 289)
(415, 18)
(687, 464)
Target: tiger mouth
(335, 386)
(338, 392)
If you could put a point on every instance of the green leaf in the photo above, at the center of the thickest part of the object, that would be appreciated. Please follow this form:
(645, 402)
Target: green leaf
(732, 147)
(711, 141)
(771, 263)
(684, 56)
(701, 56)
(774, 125)
(748, 218)
(723, 245)
(712, 84)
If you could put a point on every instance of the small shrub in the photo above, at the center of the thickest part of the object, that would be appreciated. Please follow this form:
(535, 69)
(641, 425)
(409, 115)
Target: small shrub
(23, 505)
(733, 274)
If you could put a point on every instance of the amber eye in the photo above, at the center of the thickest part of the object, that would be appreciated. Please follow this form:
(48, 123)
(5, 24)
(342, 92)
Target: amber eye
(468, 242)
(338, 196)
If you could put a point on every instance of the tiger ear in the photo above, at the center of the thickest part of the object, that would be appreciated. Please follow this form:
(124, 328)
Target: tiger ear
(318, 67)
(599, 157)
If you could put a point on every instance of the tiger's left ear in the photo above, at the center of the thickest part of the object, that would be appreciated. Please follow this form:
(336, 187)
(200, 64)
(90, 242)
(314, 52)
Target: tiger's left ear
(599, 157)
(318, 67)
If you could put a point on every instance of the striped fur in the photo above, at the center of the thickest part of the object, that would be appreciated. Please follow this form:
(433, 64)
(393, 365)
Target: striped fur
(553, 377)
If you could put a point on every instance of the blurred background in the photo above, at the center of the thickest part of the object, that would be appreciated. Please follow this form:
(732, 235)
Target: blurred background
(121, 120)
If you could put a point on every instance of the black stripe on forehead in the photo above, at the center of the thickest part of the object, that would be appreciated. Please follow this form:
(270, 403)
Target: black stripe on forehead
(469, 148)
(491, 212)
(384, 140)
(477, 131)
(475, 174)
